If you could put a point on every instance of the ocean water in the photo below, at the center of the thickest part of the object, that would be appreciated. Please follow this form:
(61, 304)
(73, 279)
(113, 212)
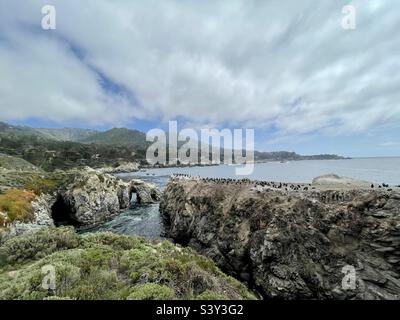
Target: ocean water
(146, 221)
(377, 170)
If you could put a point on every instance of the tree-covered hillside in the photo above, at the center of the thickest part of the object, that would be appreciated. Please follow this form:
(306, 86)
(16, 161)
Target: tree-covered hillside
(51, 154)
(122, 136)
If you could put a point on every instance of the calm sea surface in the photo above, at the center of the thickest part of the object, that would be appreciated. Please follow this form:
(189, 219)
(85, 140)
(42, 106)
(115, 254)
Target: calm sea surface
(145, 220)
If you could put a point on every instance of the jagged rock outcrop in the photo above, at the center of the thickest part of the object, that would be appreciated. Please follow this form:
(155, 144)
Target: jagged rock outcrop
(122, 168)
(308, 244)
(93, 197)
(85, 198)
(146, 192)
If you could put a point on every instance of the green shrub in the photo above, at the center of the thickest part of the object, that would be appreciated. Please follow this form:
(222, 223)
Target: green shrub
(212, 295)
(32, 246)
(50, 183)
(109, 266)
(117, 242)
(152, 291)
(41, 186)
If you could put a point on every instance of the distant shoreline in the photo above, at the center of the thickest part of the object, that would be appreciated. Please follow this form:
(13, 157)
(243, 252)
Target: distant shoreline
(235, 164)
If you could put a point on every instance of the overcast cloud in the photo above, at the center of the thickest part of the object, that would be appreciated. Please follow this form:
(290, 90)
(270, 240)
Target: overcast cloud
(284, 66)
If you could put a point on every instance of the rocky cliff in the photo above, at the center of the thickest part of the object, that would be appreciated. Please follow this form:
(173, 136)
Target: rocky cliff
(93, 197)
(83, 198)
(292, 241)
(121, 168)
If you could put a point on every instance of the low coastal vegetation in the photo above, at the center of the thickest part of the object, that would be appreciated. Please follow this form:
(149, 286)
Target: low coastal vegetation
(109, 266)
(13, 163)
(17, 173)
(35, 180)
(50, 182)
(15, 205)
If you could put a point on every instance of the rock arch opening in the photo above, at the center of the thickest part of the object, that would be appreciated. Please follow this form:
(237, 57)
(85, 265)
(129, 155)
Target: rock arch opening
(63, 214)
(154, 197)
(134, 197)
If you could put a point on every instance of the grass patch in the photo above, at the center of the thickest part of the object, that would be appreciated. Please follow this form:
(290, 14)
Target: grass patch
(16, 205)
(18, 179)
(38, 182)
(51, 182)
(14, 163)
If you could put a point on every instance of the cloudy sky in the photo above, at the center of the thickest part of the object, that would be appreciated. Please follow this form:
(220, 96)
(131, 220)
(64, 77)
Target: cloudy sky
(286, 68)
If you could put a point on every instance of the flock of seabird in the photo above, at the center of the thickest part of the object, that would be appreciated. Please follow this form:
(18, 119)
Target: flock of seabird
(255, 183)
(262, 184)
(383, 185)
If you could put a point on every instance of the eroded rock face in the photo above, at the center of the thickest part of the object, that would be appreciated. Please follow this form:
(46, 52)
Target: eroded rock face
(122, 168)
(94, 197)
(292, 244)
(147, 192)
(86, 199)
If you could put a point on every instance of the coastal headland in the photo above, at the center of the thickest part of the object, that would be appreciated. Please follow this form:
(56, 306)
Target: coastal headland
(292, 241)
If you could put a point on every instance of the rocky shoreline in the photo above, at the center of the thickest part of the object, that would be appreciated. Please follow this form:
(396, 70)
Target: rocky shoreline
(98, 266)
(294, 242)
(86, 198)
(285, 241)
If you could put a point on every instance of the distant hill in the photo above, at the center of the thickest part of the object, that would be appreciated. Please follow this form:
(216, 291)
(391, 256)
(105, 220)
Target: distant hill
(51, 149)
(119, 136)
(50, 154)
(61, 134)
(286, 156)
(67, 134)
(14, 163)
(65, 148)
(10, 130)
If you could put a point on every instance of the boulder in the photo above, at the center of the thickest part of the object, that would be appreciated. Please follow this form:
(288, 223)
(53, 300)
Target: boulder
(335, 180)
